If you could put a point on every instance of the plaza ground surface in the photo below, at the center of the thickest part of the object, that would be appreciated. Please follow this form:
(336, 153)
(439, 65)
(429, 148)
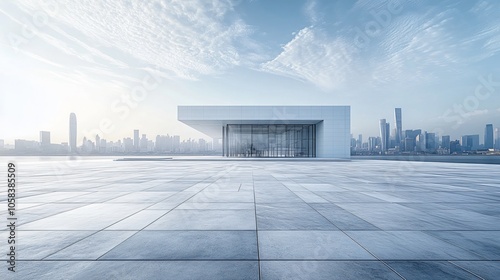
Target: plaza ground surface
(103, 219)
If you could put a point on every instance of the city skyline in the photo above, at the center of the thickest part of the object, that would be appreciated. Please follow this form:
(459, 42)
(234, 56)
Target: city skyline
(390, 132)
(436, 60)
(395, 141)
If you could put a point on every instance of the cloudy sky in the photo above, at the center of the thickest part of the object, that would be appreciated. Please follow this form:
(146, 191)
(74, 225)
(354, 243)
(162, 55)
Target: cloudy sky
(123, 65)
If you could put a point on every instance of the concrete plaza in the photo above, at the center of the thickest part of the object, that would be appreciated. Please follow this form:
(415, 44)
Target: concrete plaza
(103, 219)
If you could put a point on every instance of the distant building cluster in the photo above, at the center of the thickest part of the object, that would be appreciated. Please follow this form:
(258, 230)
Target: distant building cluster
(139, 144)
(389, 142)
(416, 141)
(161, 144)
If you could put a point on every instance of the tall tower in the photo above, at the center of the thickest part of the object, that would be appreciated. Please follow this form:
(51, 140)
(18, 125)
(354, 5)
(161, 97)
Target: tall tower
(497, 138)
(97, 143)
(136, 140)
(384, 135)
(72, 133)
(399, 126)
(488, 137)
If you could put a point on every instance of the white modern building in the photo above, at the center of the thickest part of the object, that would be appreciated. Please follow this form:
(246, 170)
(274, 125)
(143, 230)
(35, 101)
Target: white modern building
(274, 131)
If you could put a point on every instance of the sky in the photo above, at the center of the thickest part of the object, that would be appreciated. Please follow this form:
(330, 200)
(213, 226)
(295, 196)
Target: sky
(125, 65)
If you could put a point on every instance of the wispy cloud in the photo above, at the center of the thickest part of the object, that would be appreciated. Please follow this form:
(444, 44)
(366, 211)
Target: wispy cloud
(421, 43)
(311, 11)
(191, 39)
(475, 113)
(482, 7)
(414, 48)
(314, 57)
(185, 39)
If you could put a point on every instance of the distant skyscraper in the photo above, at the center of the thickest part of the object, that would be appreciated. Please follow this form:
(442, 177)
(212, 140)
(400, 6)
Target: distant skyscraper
(1, 144)
(410, 144)
(412, 133)
(399, 126)
(420, 143)
(497, 138)
(72, 133)
(97, 143)
(372, 143)
(176, 143)
(488, 137)
(128, 144)
(430, 142)
(44, 139)
(84, 144)
(143, 147)
(136, 140)
(445, 142)
(384, 135)
(470, 142)
(411, 139)
(103, 145)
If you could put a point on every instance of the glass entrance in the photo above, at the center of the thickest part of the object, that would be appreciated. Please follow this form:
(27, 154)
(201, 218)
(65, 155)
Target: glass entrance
(280, 140)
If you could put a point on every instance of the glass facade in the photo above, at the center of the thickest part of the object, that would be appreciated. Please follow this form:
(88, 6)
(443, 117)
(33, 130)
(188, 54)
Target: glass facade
(281, 140)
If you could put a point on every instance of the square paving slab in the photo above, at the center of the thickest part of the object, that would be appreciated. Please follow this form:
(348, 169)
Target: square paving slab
(95, 218)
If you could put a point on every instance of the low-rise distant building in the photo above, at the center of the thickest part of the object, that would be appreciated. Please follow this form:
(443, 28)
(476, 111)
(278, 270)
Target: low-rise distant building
(455, 147)
(26, 146)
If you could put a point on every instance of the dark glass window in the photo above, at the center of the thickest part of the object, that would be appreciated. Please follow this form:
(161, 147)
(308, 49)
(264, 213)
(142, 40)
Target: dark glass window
(279, 140)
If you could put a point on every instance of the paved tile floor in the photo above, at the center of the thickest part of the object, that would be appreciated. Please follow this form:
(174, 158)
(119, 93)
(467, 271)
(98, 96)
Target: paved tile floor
(102, 219)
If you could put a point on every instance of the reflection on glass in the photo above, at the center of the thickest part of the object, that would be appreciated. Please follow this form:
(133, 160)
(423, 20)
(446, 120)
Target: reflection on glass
(284, 140)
